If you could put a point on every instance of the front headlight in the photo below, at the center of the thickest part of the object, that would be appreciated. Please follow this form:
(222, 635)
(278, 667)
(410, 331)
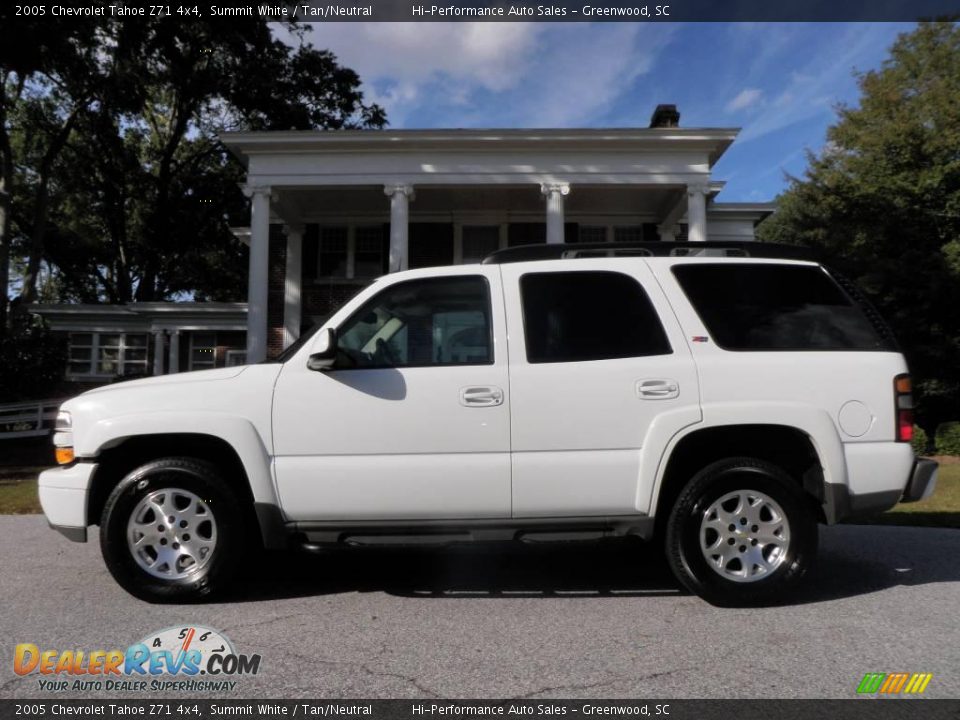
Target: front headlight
(63, 438)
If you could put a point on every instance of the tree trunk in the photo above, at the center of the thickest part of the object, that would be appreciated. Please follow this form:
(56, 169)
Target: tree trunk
(41, 211)
(6, 203)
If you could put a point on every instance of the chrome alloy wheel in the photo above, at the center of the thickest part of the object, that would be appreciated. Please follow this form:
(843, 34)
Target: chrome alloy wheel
(744, 536)
(172, 533)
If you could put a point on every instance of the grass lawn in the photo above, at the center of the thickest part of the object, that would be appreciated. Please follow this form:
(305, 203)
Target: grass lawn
(18, 491)
(940, 510)
(18, 496)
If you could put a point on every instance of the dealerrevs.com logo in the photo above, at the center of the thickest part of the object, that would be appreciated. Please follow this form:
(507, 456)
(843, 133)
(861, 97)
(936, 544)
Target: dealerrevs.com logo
(192, 658)
(894, 683)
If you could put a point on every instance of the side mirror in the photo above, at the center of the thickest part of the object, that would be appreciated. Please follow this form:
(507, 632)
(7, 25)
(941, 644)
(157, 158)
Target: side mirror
(326, 353)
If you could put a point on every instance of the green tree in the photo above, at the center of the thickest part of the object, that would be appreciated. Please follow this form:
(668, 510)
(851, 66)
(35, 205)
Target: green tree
(118, 182)
(35, 52)
(881, 202)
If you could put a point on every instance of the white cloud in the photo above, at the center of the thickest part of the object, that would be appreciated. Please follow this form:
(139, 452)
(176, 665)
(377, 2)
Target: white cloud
(396, 61)
(746, 98)
(822, 78)
(507, 74)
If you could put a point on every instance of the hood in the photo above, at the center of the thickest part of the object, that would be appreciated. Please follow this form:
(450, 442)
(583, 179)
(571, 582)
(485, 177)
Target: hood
(174, 379)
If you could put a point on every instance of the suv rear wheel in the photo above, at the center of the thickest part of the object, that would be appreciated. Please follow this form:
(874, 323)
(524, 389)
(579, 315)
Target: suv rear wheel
(170, 531)
(742, 532)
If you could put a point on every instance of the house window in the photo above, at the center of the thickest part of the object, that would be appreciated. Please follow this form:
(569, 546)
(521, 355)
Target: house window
(203, 347)
(628, 233)
(333, 252)
(592, 234)
(368, 251)
(236, 357)
(354, 251)
(479, 241)
(80, 354)
(107, 354)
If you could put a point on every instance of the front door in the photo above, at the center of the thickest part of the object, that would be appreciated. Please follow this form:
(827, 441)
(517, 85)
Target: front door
(599, 360)
(413, 420)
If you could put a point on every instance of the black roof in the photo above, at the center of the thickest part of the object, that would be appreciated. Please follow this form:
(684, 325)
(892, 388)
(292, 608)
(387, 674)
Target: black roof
(561, 251)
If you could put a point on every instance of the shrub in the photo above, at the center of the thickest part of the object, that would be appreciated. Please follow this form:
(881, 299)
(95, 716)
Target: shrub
(948, 439)
(32, 363)
(921, 441)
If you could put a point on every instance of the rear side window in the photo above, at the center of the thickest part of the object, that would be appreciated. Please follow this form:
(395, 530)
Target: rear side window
(578, 316)
(777, 307)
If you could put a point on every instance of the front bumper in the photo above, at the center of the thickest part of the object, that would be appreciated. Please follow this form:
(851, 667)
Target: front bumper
(64, 493)
(923, 480)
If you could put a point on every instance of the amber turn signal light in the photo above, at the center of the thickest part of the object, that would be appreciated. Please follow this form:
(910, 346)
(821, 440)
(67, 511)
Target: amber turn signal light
(64, 455)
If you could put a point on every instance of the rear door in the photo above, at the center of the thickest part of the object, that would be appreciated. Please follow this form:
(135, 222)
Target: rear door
(596, 358)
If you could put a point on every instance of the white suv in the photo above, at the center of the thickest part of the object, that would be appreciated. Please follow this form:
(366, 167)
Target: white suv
(724, 398)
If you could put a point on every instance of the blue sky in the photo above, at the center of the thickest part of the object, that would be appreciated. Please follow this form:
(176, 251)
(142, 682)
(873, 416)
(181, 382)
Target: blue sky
(778, 82)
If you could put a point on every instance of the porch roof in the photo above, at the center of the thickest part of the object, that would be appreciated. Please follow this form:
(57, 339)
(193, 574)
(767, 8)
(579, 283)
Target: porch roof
(143, 316)
(713, 141)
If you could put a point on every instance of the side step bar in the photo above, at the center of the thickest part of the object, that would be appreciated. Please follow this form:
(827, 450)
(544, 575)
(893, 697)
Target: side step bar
(318, 536)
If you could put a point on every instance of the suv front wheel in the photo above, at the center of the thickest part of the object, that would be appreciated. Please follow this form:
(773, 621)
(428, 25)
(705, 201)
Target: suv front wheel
(742, 532)
(170, 531)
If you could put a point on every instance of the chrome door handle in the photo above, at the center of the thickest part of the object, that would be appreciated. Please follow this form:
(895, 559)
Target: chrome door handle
(481, 396)
(658, 389)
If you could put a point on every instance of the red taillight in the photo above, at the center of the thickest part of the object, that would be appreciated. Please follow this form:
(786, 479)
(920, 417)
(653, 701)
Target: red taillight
(903, 404)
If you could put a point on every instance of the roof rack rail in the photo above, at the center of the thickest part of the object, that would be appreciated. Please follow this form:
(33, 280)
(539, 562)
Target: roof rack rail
(567, 251)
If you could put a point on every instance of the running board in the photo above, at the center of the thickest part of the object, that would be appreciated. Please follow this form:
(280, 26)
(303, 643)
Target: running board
(317, 536)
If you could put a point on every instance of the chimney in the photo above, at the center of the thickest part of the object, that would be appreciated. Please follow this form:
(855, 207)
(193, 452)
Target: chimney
(665, 116)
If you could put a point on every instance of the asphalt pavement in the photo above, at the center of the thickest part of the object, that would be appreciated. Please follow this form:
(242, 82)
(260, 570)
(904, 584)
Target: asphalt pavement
(603, 620)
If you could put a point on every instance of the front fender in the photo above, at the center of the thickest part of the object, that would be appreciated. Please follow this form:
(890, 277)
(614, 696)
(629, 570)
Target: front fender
(238, 432)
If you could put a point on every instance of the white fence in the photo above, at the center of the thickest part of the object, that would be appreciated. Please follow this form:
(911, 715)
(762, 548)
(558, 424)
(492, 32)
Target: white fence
(28, 419)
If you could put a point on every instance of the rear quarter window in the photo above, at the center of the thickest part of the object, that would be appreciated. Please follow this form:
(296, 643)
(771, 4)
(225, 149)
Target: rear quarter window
(753, 306)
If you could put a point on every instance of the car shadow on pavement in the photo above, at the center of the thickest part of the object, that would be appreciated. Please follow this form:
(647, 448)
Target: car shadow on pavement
(491, 570)
(853, 561)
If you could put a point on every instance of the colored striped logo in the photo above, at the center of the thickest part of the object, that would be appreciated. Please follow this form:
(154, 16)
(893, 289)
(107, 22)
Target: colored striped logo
(894, 683)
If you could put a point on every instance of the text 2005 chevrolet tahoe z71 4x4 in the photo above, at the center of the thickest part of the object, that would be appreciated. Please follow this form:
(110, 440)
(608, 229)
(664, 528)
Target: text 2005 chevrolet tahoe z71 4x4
(724, 399)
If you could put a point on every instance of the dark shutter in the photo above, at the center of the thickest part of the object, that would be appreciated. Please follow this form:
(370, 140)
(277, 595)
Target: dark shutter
(430, 245)
(526, 234)
(386, 248)
(311, 246)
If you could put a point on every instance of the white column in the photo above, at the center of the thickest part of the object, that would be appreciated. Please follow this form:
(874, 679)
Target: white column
(399, 195)
(668, 233)
(554, 193)
(697, 212)
(158, 352)
(173, 366)
(292, 281)
(258, 276)
(351, 250)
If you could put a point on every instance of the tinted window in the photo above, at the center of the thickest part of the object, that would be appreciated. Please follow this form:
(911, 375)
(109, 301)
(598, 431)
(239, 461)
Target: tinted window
(776, 307)
(438, 321)
(575, 316)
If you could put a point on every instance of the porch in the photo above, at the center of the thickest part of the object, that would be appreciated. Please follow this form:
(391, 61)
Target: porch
(332, 210)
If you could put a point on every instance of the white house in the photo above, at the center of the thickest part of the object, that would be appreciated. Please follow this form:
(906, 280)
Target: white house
(146, 338)
(333, 209)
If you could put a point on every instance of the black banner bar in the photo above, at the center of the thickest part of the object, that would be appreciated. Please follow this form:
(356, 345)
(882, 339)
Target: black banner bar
(856, 709)
(322, 11)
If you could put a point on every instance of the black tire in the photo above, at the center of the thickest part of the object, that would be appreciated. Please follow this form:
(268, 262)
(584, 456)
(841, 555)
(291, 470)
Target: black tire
(195, 476)
(683, 537)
